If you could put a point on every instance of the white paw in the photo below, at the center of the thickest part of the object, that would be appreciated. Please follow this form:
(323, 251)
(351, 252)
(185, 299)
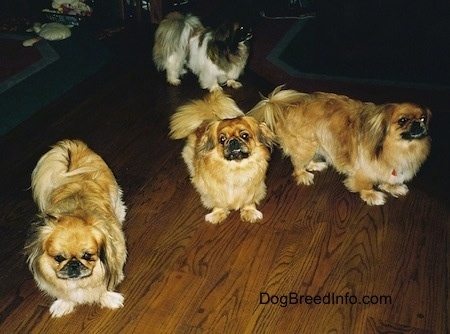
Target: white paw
(215, 88)
(373, 197)
(251, 215)
(174, 81)
(234, 84)
(317, 166)
(395, 190)
(112, 300)
(303, 177)
(61, 307)
(216, 216)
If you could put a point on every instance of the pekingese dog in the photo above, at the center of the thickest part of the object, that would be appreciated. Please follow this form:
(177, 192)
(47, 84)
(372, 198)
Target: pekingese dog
(76, 247)
(377, 147)
(226, 154)
(216, 56)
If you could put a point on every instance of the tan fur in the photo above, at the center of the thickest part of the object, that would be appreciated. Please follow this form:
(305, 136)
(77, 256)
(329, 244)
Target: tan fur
(80, 221)
(223, 184)
(361, 140)
(214, 106)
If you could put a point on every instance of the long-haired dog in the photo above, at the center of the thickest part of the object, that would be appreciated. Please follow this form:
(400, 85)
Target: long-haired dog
(377, 147)
(216, 55)
(226, 154)
(76, 247)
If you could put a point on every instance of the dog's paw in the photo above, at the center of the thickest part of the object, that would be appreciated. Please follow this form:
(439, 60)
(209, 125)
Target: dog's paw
(234, 84)
(316, 166)
(112, 300)
(395, 190)
(174, 81)
(303, 177)
(216, 216)
(250, 214)
(61, 307)
(372, 197)
(215, 88)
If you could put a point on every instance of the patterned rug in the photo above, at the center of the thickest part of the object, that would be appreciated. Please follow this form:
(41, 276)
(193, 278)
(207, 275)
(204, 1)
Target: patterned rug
(18, 62)
(306, 51)
(32, 77)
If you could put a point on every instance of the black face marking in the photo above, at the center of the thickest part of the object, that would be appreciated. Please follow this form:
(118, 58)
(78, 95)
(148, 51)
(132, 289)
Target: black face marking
(415, 129)
(59, 258)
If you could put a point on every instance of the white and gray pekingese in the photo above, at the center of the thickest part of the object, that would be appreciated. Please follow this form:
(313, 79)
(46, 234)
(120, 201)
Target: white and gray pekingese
(216, 55)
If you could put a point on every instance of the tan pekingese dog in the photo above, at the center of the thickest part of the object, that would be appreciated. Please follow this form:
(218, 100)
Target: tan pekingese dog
(226, 153)
(76, 247)
(378, 147)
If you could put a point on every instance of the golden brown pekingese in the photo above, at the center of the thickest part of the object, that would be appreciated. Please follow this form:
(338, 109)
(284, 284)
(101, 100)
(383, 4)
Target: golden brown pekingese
(377, 147)
(76, 247)
(226, 153)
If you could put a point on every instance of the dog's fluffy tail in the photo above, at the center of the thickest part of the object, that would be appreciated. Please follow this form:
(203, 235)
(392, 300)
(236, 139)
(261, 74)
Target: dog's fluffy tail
(271, 109)
(214, 106)
(55, 169)
(172, 36)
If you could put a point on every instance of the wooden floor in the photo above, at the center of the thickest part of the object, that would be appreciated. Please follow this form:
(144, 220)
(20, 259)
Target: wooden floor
(378, 269)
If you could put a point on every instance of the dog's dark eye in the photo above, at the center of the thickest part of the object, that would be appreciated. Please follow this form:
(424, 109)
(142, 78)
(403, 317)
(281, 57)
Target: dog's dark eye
(59, 258)
(423, 119)
(402, 121)
(222, 139)
(245, 136)
(87, 257)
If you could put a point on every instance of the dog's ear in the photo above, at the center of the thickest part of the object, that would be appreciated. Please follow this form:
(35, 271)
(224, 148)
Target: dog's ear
(376, 128)
(427, 113)
(200, 131)
(40, 228)
(266, 136)
(262, 132)
(222, 32)
(111, 251)
(206, 134)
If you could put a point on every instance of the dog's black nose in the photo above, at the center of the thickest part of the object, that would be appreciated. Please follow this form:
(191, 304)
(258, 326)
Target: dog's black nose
(234, 145)
(73, 268)
(235, 150)
(416, 128)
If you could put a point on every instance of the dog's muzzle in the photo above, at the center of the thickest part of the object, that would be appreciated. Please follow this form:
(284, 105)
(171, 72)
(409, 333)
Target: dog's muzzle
(244, 34)
(417, 130)
(73, 269)
(249, 35)
(235, 150)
